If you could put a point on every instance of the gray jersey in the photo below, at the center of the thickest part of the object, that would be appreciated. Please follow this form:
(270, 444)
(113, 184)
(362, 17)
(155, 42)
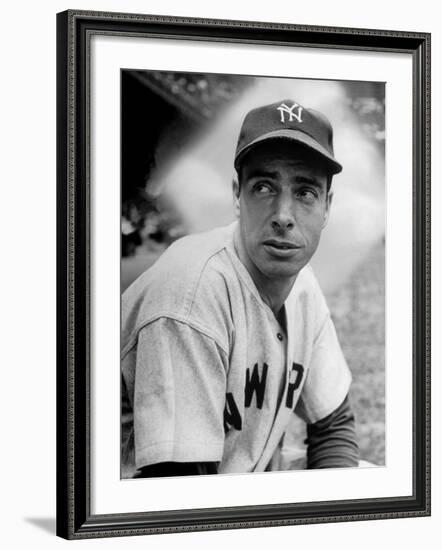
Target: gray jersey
(208, 372)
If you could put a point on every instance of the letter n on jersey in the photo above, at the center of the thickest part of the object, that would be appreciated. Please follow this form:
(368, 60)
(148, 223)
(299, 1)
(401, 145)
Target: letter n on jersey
(232, 416)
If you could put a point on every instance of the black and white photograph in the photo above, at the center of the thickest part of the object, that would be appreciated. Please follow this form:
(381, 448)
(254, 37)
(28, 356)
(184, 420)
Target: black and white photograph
(221, 260)
(252, 274)
(243, 275)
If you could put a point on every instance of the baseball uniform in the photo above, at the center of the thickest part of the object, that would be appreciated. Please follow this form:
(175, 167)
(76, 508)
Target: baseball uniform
(209, 375)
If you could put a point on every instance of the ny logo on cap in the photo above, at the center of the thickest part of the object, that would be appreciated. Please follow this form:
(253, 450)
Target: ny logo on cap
(285, 109)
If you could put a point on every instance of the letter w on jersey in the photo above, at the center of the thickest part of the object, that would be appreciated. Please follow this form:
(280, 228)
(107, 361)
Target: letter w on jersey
(290, 111)
(255, 384)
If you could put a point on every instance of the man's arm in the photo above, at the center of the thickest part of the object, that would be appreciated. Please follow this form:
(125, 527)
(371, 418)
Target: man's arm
(331, 442)
(169, 469)
(178, 399)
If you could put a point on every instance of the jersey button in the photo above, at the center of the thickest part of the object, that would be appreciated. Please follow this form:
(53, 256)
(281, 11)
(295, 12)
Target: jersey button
(280, 337)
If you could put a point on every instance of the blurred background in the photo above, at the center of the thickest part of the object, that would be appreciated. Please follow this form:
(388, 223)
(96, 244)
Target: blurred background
(178, 137)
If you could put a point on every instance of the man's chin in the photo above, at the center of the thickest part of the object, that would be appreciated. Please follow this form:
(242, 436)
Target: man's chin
(279, 270)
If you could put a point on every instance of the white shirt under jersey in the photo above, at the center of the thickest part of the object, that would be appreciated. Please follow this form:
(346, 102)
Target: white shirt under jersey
(209, 375)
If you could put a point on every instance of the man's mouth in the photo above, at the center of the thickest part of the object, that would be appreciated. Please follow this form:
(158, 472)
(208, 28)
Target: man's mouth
(282, 245)
(280, 249)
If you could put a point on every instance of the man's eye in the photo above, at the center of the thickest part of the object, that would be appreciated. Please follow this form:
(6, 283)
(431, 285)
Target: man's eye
(262, 188)
(307, 194)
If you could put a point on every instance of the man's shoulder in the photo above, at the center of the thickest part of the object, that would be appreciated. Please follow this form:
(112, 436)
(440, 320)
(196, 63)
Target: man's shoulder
(197, 247)
(192, 268)
(308, 294)
(306, 282)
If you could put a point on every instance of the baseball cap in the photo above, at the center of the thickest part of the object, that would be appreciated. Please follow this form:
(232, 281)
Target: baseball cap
(288, 119)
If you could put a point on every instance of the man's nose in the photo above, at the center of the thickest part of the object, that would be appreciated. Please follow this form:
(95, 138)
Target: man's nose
(283, 219)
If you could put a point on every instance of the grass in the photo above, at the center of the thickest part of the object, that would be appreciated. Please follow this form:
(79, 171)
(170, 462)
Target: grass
(358, 311)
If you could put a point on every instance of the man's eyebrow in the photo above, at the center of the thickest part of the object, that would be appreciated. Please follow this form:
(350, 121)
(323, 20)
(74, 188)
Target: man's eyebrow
(274, 174)
(260, 173)
(311, 180)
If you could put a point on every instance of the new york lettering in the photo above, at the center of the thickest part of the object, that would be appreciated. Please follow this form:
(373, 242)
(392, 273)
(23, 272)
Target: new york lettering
(255, 385)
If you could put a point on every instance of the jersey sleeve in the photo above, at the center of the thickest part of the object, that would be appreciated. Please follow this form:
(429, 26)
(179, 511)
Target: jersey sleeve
(328, 377)
(179, 395)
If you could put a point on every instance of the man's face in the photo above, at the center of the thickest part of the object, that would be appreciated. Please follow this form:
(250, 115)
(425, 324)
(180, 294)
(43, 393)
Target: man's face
(283, 207)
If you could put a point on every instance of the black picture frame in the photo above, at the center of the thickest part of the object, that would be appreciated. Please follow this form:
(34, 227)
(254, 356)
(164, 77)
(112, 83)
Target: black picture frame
(74, 518)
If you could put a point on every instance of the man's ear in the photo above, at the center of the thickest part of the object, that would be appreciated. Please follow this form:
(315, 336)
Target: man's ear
(328, 201)
(236, 193)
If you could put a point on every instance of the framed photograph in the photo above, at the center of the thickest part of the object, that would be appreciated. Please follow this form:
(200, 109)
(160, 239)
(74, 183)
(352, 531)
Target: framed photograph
(243, 274)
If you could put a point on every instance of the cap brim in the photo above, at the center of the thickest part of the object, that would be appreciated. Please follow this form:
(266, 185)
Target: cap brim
(297, 136)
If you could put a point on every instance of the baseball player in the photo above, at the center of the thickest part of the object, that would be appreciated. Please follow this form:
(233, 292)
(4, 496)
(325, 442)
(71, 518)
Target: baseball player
(228, 335)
